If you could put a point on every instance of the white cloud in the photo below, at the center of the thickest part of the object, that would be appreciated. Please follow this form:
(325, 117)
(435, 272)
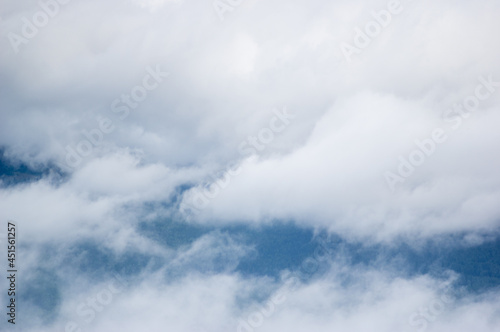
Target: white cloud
(353, 121)
(345, 298)
(337, 178)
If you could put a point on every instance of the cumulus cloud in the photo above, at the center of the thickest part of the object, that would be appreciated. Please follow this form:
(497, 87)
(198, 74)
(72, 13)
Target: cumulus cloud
(338, 178)
(343, 298)
(162, 111)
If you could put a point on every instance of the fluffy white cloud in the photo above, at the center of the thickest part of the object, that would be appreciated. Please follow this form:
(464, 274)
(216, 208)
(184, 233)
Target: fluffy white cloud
(353, 121)
(338, 178)
(344, 298)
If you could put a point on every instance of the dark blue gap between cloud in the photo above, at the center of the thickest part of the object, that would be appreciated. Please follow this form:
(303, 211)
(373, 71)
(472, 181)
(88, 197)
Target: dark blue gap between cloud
(283, 246)
(14, 172)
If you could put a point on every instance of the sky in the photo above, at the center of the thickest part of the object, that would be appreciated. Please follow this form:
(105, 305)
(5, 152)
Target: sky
(250, 165)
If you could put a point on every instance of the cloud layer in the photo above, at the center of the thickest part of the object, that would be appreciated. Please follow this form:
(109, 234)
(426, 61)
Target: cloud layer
(248, 113)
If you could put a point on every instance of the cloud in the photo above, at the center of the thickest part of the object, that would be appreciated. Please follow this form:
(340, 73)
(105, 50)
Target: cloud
(345, 297)
(415, 89)
(337, 178)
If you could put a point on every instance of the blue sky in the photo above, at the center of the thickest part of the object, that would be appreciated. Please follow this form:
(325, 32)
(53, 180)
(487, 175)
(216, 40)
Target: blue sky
(251, 165)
